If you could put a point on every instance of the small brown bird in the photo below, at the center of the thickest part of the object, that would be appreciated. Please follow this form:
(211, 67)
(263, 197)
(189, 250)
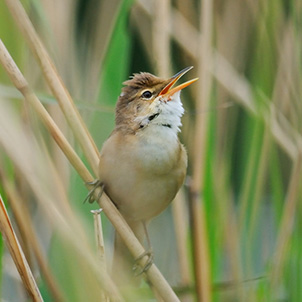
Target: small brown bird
(142, 163)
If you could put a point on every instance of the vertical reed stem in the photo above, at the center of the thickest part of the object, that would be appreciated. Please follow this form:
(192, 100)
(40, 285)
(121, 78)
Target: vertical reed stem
(201, 249)
(161, 37)
(287, 224)
(98, 230)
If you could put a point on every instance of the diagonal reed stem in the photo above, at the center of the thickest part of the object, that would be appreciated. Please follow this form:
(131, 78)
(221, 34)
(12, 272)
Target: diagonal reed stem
(55, 83)
(17, 254)
(154, 275)
(25, 223)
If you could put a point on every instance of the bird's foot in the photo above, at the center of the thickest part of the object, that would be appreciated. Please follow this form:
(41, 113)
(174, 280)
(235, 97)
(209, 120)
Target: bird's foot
(137, 268)
(95, 184)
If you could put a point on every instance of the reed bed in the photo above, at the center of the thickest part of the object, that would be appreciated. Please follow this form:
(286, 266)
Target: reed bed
(234, 231)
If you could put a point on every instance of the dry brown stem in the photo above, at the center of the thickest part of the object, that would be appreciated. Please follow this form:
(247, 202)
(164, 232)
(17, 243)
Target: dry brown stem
(17, 254)
(200, 238)
(55, 83)
(25, 223)
(154, 275)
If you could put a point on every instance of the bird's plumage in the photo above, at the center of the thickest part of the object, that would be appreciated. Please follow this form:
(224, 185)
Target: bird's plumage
(142, 164)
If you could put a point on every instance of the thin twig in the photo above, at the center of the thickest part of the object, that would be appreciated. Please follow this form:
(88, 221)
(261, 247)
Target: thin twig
(99, 236)
(98, 230)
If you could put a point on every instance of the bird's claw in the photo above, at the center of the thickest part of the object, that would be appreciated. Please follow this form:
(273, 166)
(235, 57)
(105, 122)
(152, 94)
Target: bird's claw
(138, 270)
(95, 184)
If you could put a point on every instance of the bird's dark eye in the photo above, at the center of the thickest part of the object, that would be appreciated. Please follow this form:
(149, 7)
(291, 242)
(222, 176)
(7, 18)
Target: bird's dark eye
(147, 94)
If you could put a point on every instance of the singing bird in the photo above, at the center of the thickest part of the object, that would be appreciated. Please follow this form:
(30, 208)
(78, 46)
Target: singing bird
(142, 163)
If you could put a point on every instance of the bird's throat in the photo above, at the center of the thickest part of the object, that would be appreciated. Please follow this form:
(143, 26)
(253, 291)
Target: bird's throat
(162, 115)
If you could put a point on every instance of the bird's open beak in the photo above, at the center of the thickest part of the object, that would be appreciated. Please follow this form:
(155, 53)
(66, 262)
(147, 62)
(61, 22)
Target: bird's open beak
(169, 91)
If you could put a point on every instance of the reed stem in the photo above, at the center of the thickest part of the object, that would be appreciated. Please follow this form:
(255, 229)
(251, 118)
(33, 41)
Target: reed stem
(17, 254)
(55, 83)
(135, 247)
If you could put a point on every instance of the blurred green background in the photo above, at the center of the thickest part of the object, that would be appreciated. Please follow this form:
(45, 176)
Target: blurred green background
(247, 55)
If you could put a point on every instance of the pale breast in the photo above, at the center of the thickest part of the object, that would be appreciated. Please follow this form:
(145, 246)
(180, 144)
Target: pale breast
(142, 176)
(157, 150)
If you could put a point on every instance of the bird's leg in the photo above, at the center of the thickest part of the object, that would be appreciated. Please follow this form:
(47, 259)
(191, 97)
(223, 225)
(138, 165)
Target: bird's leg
(147, 236)
(95, 184)
(136, 268)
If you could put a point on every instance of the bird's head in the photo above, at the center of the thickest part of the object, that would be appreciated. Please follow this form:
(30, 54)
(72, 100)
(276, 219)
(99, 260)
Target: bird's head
(148, 100)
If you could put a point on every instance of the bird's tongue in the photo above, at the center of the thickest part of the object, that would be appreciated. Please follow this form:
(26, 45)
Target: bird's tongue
(169, 91)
